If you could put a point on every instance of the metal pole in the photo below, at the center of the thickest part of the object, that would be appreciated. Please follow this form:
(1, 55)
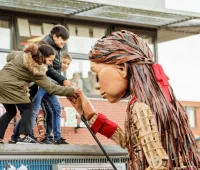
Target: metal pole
(98, 142)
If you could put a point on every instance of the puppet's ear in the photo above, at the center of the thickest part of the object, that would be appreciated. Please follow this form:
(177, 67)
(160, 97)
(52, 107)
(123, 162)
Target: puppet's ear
(122, 68)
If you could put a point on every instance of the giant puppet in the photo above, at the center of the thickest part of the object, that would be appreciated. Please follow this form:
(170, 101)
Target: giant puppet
(157, 133)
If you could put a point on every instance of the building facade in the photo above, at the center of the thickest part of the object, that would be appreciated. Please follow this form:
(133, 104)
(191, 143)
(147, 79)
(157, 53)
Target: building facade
(22, 22)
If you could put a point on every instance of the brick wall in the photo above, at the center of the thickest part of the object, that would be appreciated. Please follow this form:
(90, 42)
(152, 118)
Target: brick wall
(115, 112)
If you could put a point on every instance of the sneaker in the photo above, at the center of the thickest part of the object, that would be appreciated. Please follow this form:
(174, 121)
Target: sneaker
(27, 140)
(1, 141)
(50, 138)
(45, 141)
(60, 141)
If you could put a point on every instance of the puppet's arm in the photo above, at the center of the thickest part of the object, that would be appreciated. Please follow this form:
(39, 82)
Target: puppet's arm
(143, 129)
(99, 123)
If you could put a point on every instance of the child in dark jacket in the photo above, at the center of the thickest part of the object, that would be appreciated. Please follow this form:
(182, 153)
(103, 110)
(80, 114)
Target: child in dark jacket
(57, 39)
(44, 118)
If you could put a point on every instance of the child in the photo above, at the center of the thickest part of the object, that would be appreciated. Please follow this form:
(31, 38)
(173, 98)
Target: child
(44, 118)
(57, 39)
(22, 68)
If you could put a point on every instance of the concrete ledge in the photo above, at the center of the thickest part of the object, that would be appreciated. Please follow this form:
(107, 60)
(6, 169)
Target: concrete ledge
(44, 149)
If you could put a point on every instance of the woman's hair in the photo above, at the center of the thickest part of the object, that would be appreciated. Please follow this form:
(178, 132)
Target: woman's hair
(66, 55)
(39, 51)
(124, 47)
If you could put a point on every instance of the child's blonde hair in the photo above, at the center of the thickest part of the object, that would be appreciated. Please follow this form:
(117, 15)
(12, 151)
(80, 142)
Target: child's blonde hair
(66, 55)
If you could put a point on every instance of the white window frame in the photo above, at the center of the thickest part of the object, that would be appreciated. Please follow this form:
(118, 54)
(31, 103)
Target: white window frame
(191, 112)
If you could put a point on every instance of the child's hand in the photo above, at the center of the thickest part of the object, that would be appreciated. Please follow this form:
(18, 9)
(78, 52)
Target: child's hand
(77, 91)
(67, 83)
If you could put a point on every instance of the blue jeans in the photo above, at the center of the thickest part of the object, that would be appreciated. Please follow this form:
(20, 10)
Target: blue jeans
(55, 106)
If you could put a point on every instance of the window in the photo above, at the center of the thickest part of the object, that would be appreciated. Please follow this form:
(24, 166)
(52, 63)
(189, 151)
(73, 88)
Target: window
(2, 110)
(191, 112)
(3, 57)
(30, 31)
(80, 75)
(5, 35)
(82, 38)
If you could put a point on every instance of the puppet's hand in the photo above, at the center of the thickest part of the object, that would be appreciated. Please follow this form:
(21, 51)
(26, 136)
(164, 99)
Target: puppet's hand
(87, 107)
(82, 104)
(76, 102)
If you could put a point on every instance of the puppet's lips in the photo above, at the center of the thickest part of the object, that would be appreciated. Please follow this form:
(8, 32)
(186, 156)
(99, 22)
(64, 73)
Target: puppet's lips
(103, 94)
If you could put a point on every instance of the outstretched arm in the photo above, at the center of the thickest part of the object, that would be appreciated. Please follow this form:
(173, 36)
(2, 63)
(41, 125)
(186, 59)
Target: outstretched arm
(141, 124)
(53, 74)
(98, 122)
(45, 83)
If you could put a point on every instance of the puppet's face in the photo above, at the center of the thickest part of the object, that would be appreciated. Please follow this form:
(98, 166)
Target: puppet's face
(112, 80)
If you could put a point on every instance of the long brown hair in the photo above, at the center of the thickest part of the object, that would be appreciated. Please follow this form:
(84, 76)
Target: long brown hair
(39, 51)
(172, 121)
